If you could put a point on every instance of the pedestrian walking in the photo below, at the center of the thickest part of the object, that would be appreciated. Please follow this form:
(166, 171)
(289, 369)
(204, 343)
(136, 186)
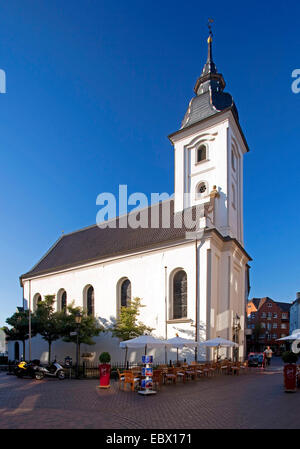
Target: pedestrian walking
(268, 354)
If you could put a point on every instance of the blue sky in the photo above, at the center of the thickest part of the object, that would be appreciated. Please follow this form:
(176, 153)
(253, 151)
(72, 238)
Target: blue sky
(95, 87)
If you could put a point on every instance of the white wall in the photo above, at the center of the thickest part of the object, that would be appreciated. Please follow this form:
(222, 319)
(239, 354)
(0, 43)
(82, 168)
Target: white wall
(146, 272)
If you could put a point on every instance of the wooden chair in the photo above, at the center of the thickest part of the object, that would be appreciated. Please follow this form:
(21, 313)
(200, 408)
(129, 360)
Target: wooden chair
(190, 373)
(180, 374)
(199, 371)
(206, 370)
(235, 368)
(157, 378)
(244, 366)
(170, 375)
(121, 377)
(129, 379)
(224, 367)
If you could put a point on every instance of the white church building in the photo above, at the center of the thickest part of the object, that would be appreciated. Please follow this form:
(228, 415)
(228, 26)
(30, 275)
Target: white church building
(193, 279)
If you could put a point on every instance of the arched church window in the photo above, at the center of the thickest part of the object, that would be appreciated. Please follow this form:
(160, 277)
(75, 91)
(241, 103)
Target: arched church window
(63, 301)
(125, 293)
(37, 298)
(180, 295)
(90, 300)
(201, 153)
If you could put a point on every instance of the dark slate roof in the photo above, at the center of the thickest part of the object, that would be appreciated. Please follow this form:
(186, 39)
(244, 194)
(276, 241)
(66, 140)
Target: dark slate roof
(259, 302)
(93, 243)
(210, 98)
(285, 306)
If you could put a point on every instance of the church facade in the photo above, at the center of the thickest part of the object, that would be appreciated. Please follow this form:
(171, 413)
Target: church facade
(193, 279)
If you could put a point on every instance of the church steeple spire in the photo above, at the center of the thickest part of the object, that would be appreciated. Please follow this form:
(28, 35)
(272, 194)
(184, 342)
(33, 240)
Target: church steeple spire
(210, 66)
(209, 89)
(209, 76)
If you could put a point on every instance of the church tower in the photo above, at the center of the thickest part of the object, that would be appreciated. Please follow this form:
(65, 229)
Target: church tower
(209, 150)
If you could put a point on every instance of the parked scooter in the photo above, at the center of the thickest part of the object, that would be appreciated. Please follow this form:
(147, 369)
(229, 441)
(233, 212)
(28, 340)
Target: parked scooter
(54, 370)
(31, 369)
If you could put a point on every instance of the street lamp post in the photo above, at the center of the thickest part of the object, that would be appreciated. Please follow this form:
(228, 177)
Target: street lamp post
(236, 329)
(78, 318)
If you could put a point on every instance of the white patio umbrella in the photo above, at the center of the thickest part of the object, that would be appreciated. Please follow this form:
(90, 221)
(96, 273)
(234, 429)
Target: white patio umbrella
(143, 341)
(179, 342)
(294, 336)
(218, 343)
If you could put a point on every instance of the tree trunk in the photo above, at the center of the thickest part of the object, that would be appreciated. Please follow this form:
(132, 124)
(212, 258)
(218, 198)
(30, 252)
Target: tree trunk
(49, 352)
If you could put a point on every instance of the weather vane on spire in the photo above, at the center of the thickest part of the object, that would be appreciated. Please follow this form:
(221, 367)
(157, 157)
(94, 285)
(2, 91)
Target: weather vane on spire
(210, 21)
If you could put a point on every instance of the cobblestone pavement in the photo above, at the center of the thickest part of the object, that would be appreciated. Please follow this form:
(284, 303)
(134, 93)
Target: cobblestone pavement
(252, 400)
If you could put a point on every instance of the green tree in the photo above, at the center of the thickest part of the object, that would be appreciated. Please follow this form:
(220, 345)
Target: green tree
(257, 331)
(127, 325)
(19, 330)
(48, 322)
(88, 328)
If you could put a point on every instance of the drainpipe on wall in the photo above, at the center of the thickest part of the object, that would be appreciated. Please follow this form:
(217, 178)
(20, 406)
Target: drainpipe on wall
(196, 318)
(29, 340)
(166, 311)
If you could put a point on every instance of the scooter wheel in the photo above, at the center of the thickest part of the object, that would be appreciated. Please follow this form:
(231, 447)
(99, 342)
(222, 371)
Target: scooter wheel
(39, 375)
(61, 375)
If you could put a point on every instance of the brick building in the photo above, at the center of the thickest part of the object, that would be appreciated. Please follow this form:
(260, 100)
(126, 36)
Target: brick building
(267, 320)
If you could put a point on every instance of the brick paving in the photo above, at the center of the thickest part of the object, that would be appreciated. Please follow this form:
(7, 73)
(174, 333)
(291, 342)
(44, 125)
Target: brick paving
(253, 400)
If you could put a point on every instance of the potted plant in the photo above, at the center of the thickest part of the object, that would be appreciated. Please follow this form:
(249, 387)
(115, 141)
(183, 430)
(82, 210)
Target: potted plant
(104, 370)
(290, 371)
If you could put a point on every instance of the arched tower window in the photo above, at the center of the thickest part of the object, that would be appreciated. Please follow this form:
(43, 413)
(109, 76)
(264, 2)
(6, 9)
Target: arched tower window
(180, 295)
(201, 154)
(90, 301)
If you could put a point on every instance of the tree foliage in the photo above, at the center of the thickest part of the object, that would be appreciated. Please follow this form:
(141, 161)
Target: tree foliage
(48, 322)
(88, 328)
(127, 325)
(19, 330)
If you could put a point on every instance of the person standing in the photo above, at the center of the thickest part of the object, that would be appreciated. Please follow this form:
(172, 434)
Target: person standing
(268, 354)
